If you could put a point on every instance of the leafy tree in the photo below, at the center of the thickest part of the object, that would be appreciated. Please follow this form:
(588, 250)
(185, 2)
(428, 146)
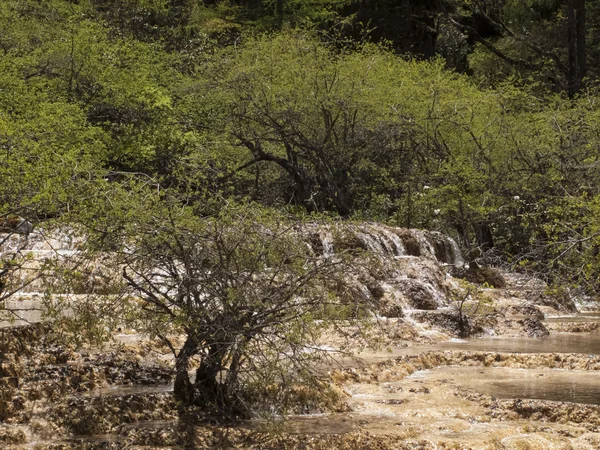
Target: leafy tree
(527, 38)
(340, 140)
(316, 120)
(46, 149)
(239, 284)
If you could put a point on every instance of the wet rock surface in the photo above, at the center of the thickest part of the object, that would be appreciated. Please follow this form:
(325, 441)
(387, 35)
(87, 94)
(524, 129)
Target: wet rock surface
(405, 402)
(425, 389)
(434, 397)
(51, 390)
(449, 321)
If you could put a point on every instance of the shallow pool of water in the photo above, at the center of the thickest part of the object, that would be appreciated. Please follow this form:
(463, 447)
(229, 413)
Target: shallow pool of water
(540, 384)
(582, 317)
(582, 343)
(579, 343)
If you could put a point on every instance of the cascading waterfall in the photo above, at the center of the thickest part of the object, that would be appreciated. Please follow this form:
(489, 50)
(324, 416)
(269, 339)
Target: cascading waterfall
(370, 242)
(56, 242)
(391, 241)
(413, 277)
(396, 247)
(327, 243)
(456, 253)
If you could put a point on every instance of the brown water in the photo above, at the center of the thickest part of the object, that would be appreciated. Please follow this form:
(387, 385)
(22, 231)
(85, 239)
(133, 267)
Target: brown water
(318, 424)
(424, 406)
(578, 343)
(582, 343)
(545, 384)
(575, 318)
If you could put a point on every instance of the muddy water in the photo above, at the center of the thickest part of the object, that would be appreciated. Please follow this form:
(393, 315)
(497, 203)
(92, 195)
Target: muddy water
(433, 406)
(577, 343)
(556, 385)
(575, 318)
(424, 406)
(317, 424)
(581, 343)
(462, 405)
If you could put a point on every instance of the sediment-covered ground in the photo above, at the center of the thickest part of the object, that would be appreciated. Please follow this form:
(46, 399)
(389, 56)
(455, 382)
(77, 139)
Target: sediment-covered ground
(55, 398)
(450, 364)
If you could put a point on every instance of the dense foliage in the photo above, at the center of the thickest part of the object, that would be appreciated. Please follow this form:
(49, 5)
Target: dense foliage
(468, 117)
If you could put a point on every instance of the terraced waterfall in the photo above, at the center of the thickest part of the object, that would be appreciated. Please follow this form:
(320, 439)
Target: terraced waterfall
(458, 366)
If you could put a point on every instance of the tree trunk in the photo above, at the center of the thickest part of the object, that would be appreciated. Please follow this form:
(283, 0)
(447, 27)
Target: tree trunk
(337, 194)
(463, 234)
(183, 389)
(279, 12)
(409, 207)
(209, 392)
(581, 47)
(577, 66)
(572, 48)
(485, 238)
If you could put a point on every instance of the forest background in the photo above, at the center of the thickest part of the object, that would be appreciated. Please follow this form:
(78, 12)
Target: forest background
(476, 118)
